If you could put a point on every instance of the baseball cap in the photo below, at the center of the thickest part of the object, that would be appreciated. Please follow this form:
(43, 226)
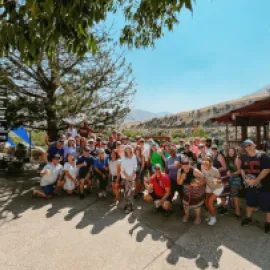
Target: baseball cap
(157, 166)
(101, 151)
(214, 146)
(201, 145)
(248, 141)
(71, 139)
(118, 142)
(91, 140)
(56, 156)
(181, 140)
(142, 140)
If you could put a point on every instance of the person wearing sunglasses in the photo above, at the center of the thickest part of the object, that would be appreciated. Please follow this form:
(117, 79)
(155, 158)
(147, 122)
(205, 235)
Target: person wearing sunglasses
(193, 190)
(255, 170)
(158, 190)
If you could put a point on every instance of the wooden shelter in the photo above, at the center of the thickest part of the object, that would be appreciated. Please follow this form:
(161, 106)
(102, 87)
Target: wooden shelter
(256, 114)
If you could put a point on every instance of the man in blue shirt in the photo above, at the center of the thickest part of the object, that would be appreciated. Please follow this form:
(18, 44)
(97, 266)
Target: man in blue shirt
(172, 166)
(56, 149)
(84, 163)
(101, 165)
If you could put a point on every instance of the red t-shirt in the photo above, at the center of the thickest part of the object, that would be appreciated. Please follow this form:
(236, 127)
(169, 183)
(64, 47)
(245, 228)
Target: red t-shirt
(159, 184)
(84, 131)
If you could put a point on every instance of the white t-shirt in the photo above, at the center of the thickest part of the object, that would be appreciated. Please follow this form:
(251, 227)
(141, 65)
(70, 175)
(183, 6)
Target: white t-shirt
(73, 131)
(54, 173)
(129, 165)
(113, 166)
(73, 171)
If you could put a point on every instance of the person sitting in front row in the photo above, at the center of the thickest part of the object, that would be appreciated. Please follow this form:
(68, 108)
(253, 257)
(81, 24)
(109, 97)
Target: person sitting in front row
(158, 190)
(51, 177)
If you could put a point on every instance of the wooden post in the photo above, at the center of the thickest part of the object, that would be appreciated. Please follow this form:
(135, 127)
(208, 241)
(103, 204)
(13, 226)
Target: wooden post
(236, 133)
(244, 133)
(227, 133)
(265, 132)
(258, 137)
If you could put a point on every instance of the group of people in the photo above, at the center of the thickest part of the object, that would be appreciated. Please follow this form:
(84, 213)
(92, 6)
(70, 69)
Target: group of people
(196, 171)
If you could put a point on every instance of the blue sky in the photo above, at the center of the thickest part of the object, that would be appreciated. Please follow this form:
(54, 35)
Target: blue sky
(218, 53)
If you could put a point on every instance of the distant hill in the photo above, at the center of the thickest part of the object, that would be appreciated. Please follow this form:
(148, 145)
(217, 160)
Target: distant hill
(141, 115)
(262, 91)
(199, 117)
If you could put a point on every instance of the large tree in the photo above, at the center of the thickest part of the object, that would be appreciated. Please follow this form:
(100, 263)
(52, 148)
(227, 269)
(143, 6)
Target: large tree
(64, 85)
(35, 26)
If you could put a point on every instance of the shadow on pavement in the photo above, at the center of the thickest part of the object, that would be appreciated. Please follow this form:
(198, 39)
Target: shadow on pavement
(202, 243)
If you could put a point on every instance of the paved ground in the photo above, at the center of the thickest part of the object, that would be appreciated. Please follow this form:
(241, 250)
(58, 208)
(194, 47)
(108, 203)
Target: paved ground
(66, 233)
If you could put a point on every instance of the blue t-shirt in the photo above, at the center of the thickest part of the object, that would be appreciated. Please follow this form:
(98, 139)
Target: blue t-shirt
(172, 169)
(98, 163)
(89, 161)
(53, 150)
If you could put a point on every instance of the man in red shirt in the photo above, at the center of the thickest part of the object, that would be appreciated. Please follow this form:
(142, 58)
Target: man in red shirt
(159, 190)
(84, 130)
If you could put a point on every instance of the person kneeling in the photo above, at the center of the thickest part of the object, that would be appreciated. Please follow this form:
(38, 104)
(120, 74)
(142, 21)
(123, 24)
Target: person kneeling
(51, 176)
(159, 190)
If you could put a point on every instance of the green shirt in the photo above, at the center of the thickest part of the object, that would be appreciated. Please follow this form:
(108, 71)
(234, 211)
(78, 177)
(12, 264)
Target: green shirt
(156, 158)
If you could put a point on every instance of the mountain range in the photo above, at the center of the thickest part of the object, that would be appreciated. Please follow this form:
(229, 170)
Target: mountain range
(141, 115)
(200, 116)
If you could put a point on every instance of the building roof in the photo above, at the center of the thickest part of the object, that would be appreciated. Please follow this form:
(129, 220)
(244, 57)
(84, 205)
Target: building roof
(257, 111)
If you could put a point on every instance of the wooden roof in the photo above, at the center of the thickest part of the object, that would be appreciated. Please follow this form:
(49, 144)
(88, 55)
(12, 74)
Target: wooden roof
(258, 111)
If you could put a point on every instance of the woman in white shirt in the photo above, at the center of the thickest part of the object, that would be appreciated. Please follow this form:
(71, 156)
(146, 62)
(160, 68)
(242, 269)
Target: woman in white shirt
(115, 174)
(72, 131)
(214, 187)
(71, 172)
(128, 174)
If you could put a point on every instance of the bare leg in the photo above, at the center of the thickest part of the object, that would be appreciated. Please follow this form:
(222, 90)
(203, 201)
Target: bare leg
(116, 191)
(198, 216)
(267, 218)
(249, 211)
(82, 186)
(41, 194)
(186, 217)
(236, 204)
(210, 205)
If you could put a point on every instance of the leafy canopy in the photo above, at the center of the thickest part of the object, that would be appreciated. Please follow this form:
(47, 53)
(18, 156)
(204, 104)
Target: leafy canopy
(35, 26)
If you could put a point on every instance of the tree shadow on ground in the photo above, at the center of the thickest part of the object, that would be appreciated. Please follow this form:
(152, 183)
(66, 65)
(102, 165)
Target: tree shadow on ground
(203, 244)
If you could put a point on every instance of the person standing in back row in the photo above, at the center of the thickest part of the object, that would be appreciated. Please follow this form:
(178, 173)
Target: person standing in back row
(255, 168)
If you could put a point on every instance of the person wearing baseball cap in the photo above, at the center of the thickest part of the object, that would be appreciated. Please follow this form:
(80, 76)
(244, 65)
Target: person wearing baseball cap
(51, 176)
(85, 164)
(137, 139)
(158, 190)
(255, 170)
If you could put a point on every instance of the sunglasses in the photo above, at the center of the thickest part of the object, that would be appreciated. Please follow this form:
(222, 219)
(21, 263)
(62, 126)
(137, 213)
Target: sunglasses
(248, 145)
(157, 169)
(184, 163)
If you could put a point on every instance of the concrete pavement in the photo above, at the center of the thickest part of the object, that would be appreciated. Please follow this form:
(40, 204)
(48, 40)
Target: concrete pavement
(67, 233)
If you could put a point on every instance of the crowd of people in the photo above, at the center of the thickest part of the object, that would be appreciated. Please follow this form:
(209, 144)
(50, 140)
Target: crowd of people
(196, 172)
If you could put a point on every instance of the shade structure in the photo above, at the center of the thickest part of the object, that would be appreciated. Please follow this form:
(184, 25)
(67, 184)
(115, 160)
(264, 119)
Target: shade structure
(22, 133)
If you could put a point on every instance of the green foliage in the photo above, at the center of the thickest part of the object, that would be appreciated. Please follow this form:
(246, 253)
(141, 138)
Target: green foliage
(200, 132)
(131, 133)
(37, 138)
(178, 133)
(34, 27)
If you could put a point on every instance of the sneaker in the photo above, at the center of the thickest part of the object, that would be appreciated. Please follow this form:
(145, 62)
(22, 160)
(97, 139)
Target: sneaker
(135, 197)
(117, 202)
(267, 227)
(212, 221)
(246, 221)
(207, 219)
(237, 216)
(100, 194)
(82, 196)
(223, 211)
(104, 194)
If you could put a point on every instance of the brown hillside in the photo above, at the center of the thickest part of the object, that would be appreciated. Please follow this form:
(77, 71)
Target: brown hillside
(191, 118)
